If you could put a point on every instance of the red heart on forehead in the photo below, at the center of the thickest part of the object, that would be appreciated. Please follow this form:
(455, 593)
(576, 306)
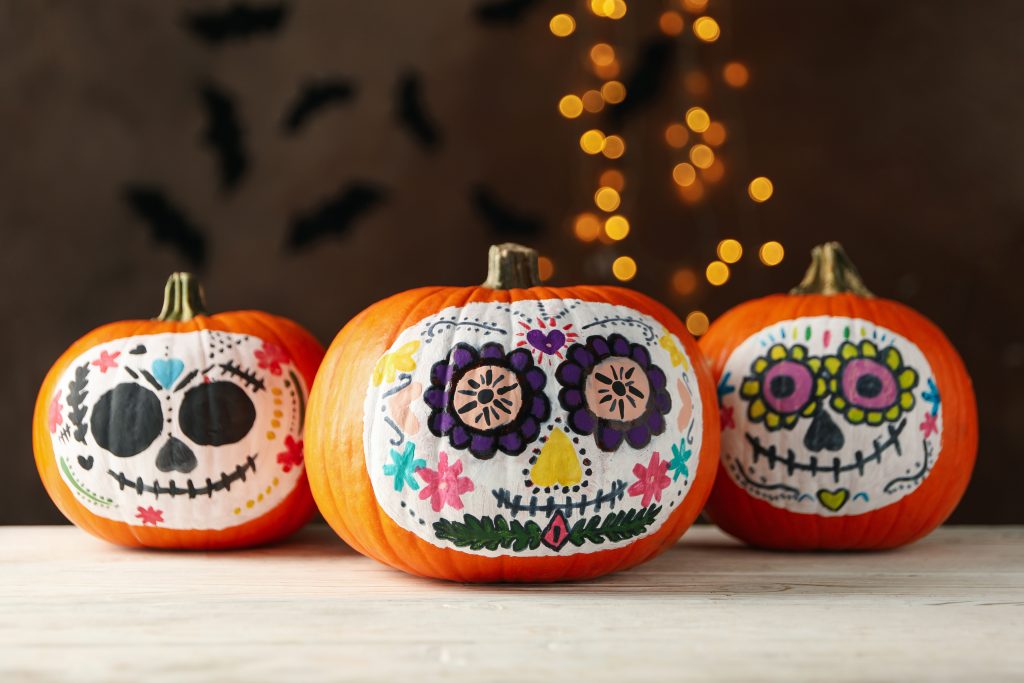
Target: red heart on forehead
(549, 343)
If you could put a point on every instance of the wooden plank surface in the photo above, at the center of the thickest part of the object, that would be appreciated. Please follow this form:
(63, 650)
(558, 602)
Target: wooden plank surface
(950, 607)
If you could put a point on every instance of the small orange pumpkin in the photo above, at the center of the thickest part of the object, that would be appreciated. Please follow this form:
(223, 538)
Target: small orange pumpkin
(848, 422)
(180, 432)
(512, 432)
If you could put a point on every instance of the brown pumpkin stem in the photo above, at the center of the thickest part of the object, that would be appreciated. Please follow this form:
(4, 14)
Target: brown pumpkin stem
(183, 298)
(511, 266)
(831, 272)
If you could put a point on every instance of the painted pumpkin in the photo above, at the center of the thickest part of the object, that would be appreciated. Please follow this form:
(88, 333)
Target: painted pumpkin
(512, 432)
(180, 432)
(848, 421)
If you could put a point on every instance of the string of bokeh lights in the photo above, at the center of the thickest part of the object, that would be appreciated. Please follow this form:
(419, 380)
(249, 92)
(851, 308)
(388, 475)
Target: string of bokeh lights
(697, 138)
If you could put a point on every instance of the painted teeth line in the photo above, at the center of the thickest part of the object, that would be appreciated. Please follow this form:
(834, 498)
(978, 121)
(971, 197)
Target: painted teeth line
(515, 505)
(172, 489)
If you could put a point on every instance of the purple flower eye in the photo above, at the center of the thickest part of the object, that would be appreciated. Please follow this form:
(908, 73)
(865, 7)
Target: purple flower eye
(784, 386)
(788, 386)
(869, 384)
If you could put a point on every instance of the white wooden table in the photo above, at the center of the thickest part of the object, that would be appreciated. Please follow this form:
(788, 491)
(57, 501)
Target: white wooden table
(948, 608)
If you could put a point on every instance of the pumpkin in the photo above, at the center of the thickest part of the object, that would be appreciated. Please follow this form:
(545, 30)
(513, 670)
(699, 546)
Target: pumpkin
(511, 431)
(180, 432)
(848, 421)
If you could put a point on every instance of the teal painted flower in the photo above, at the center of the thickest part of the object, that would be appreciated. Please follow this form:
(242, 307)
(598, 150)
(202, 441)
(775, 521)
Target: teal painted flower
(680, 455)
(404, 467)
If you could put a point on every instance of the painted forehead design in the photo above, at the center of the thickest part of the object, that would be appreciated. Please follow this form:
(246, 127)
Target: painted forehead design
(534, 428)
(829, 416)
(199, 430)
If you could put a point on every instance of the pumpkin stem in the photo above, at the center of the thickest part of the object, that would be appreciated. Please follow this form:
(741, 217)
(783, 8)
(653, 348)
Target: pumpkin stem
(831, 272)
(183, 298)
(511, 266)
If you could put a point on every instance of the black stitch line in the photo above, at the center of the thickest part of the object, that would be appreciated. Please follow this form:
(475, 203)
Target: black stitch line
(514, 505)
(248, 377)
(914, 478)
(172, 489)
(812, 466)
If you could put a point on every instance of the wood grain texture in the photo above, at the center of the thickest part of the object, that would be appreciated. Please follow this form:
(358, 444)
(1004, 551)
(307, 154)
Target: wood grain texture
(950, 607)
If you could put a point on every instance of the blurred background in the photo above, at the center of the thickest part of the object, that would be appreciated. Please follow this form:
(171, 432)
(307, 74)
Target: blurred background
(309, 158)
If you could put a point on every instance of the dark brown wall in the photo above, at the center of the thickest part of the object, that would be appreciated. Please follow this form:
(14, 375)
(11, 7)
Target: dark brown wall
(893, 127)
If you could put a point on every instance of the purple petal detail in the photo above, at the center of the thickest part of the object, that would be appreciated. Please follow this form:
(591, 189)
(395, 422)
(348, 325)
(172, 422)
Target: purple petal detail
(520, 359)
(462, 356)
(638, 437)
(620, 347)
(581, 356)
(582, 421)
(640, 354)
(662, 402)
(536, 378)
(608, 439)
(459, 436)
(571, 398)
(440, 373)
(483, 445)
(655, 423)
(512, 444)
(569, 374)
(530, 429)
(435, 397)
(599, 346)
(657, 378)
(540, 408)
(440, 423)
(492, 350)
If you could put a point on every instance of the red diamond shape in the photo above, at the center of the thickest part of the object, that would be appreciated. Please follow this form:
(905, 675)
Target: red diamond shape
(556, 533)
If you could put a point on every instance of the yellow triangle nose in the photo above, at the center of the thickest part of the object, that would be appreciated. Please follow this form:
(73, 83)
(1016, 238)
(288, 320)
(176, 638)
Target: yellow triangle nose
(557, 463)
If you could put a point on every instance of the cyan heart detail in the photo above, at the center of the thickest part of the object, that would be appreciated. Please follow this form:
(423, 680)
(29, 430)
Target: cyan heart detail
(166, 370)
(549, 343)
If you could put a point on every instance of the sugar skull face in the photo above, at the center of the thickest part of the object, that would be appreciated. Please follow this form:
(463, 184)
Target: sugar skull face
(198, 430)
(829, 416)
(537, 428)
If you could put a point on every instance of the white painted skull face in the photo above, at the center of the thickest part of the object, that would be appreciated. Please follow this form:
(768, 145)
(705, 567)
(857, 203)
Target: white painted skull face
(197, 430)
(829, 416)
(535, 428)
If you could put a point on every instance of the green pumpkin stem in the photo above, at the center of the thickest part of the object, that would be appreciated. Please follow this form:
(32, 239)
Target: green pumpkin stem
(183, 298)
(831, 272)
(511, 266)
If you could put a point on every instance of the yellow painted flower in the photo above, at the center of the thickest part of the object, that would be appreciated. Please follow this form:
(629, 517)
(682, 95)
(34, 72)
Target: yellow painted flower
(785, 386)
(868, 384)
(399, 360)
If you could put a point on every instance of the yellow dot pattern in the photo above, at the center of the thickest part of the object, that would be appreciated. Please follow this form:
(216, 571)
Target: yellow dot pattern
(249, 504)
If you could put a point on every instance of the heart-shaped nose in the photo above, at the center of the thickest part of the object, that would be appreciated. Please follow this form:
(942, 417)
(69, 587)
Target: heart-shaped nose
(824, 434)
(557, 463)
(175, 456)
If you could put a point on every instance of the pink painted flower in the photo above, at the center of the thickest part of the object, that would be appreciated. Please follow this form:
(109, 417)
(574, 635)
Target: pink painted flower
(930, 425)
(106, 360)
(270, 356)
(292, 455)
(651, 480)
(148, 515)
(444, 485)
(54, 416)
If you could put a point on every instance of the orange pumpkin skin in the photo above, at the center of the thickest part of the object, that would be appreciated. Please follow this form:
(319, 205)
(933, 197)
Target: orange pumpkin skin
(341, 483)
(915, 514)
(294, 510)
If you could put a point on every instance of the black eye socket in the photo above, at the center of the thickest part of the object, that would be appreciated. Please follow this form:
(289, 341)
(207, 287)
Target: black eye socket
(216, 414)
(126, 419)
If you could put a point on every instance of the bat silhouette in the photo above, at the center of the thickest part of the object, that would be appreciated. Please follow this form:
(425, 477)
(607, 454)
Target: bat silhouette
(314, 97)
(412, 114)
(224, 135)
(166, 222)
(238, 21)
(336, 215)
(646, 79)
(501, 217)
(503, 11)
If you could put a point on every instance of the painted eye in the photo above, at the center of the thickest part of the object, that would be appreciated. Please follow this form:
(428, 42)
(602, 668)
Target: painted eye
(126, 420)
(870, 384)
(784, 387)
(216, 414)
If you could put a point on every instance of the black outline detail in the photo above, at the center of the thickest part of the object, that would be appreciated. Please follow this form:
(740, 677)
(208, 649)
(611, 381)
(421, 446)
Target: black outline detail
(184, 382)
(550, 507)
(792, 490)
(921, 473)
(172, 490)
(248, 377)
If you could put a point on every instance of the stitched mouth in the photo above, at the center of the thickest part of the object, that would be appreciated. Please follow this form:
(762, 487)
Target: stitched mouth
(549, 506)
(836, 466)
(191, 490)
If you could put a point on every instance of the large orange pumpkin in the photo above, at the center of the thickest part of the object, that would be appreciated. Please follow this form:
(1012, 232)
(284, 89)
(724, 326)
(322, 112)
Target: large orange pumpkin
(180, 432)
(848, 421)
(512, 432)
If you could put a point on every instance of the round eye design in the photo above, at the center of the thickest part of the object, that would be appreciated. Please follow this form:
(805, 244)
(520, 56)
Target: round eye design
(485, 401)
(611, 388)
(784, 387)
(870, 385)
(216, 414)
(126, 419)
